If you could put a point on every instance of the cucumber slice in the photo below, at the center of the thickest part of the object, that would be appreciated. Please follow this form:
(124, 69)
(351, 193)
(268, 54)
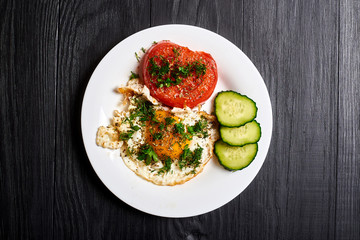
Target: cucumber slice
(240, 136)
(233, 109)
(235, 158)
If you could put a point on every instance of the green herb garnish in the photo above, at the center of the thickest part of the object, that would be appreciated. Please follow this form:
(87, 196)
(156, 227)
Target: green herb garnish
(137, 57)
(133, 75)
(144, 110)
(169, 121)
(147, 154)
(129, 151)
(200, 68)
(158, 70)
(199, 129)
(179, 128)
(176, 51)
(161, 126)
(169, 72)
(126, 135)
(158, 136)
(166, 167)
(135, 127)
(190, 158)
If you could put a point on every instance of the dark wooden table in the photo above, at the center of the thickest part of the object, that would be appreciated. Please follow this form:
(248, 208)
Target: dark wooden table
(308, 53)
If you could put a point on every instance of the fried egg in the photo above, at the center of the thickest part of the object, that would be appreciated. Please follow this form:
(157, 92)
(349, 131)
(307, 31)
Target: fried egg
(162, 145)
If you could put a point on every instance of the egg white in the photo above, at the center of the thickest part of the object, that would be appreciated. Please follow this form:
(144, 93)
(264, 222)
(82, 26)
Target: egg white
(108, 137)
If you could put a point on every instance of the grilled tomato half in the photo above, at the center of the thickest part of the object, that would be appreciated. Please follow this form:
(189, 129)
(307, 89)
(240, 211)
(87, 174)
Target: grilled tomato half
(177, 76)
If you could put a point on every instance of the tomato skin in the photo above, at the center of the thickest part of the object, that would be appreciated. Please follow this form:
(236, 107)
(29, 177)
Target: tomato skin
(193, 89)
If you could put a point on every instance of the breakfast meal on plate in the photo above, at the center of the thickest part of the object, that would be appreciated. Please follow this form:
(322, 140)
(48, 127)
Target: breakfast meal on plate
(163, 135)
(160, 136)
(239, 131)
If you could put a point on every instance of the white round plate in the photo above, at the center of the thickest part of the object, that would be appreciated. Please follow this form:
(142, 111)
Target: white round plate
(215, 186)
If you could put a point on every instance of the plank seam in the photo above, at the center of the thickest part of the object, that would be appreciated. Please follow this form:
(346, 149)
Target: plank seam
(150, 10)
(56, 111)
(243, 25)
(337, 118)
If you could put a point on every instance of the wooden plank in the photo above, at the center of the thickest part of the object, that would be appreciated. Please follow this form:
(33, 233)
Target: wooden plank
(294, 44)
(84, 207)
(348, 174)
(222, 17)
(28, 51)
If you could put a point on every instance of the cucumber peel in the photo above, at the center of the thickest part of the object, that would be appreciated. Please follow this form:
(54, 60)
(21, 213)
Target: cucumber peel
(240, 136)
(233, 109)
(233, 157)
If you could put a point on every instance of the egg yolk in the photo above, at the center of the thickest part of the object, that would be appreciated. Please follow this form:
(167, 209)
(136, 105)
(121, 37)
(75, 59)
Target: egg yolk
(167, 143)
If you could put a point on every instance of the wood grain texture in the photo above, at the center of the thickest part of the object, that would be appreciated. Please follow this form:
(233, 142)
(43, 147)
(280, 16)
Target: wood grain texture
(294, 44)
(84, 208)
(223, 17)
(348, 169)
(308, 54)
(27, 90)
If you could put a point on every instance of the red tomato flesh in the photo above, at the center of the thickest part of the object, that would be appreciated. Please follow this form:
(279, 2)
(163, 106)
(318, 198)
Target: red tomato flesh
(177, 76)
